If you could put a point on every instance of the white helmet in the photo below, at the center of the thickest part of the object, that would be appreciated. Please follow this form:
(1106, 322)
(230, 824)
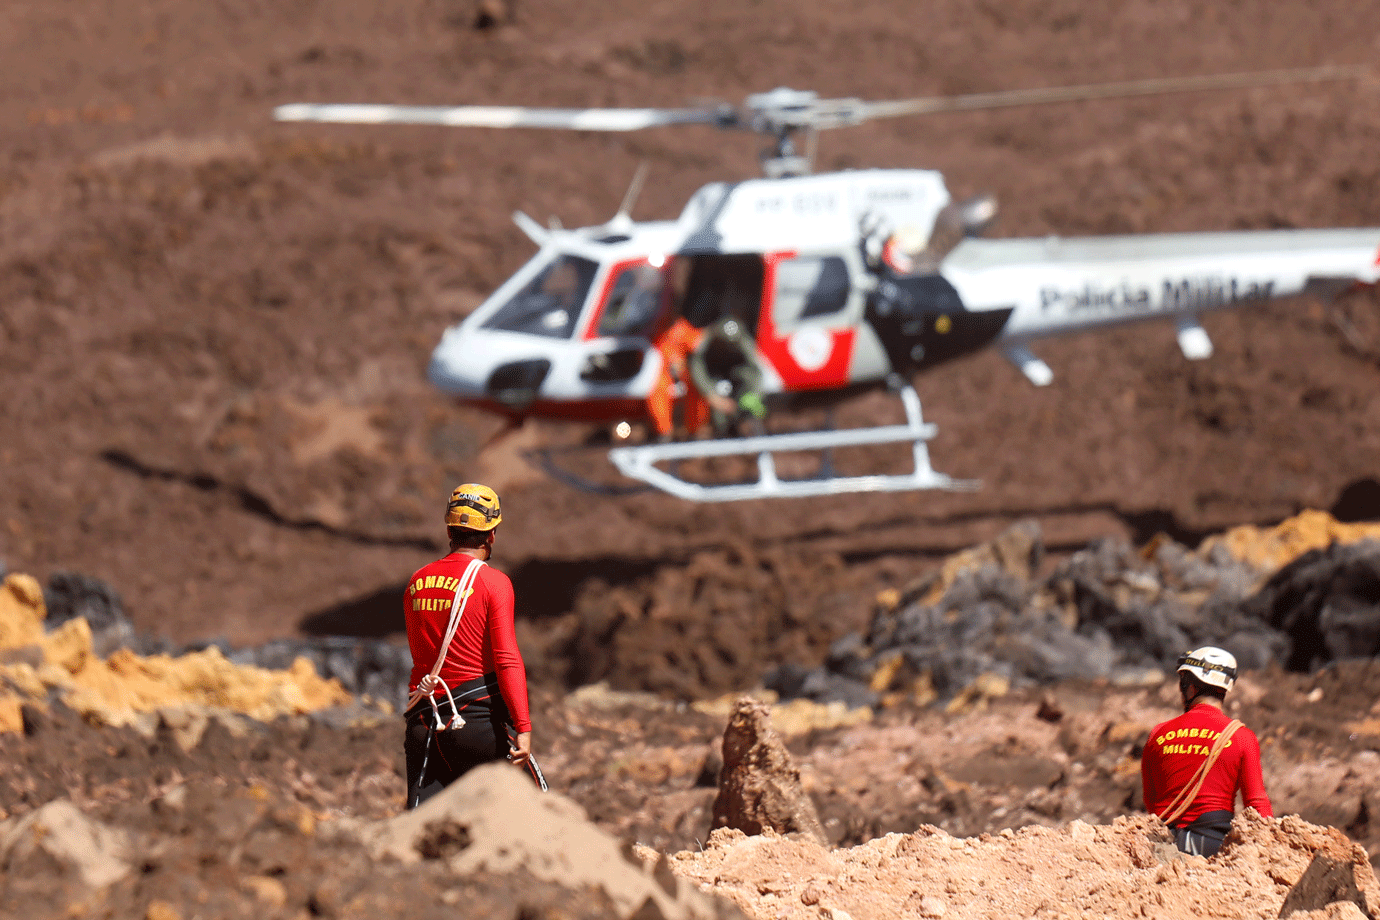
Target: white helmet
(1213, 666)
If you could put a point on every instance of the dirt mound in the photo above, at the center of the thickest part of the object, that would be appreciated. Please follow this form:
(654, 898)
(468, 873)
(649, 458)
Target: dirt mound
(1030, 872)
(488, 847)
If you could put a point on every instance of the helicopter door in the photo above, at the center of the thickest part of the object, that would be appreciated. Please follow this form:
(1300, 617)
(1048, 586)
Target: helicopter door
(633, 301)
(807, 332)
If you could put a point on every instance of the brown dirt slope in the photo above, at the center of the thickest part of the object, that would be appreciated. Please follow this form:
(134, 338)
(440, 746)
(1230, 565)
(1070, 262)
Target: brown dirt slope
(213, 327)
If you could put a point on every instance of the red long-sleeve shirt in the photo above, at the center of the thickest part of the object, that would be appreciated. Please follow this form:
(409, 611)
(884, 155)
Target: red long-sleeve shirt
(485, 641)
(1176, 750)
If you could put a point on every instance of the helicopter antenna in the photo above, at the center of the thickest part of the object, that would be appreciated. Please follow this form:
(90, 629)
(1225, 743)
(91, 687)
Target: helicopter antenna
(535, 231)
(623, 219)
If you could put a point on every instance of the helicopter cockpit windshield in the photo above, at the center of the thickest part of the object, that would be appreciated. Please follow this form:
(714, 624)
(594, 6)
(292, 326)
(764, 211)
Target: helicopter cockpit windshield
(550, 303)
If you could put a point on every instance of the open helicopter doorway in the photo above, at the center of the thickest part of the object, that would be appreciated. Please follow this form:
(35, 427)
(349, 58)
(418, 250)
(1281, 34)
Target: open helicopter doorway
(722, 285)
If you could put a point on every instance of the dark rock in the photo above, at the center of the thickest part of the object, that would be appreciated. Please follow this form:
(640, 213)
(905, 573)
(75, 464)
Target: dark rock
(1327, 602)
(1359, 501)
(34, 719)
(70, 595)
(759, 786)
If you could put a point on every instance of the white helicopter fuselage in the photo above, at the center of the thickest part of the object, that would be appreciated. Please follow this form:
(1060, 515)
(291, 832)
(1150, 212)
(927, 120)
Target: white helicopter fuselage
(571, 334)
(1055, 286)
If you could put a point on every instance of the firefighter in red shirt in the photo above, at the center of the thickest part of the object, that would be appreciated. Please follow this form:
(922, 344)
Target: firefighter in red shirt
(1194, 765)
(468, 702)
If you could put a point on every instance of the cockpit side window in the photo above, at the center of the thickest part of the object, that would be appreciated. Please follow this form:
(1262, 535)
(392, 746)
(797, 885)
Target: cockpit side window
(635, 300)
(550, 303)
(809, 286)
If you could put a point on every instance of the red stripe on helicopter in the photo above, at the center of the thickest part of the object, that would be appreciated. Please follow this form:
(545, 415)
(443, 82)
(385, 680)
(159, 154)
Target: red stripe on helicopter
(814, 358)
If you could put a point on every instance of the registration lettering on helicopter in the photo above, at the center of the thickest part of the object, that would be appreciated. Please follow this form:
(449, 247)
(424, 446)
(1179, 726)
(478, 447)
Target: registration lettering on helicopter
(895, 194)
(1176, 295)
(814, 203)
(805, 203)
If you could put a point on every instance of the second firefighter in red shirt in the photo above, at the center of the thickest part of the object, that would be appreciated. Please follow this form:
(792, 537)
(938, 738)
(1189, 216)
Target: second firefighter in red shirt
(1190, 773)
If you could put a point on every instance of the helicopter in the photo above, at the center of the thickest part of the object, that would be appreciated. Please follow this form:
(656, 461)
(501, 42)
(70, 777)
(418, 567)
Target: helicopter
(844, 282)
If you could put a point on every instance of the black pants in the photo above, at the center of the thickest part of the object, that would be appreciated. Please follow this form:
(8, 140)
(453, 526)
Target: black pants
(435, 759)
(1205, 835)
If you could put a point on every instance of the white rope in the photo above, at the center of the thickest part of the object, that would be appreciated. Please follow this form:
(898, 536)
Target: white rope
(427, 686)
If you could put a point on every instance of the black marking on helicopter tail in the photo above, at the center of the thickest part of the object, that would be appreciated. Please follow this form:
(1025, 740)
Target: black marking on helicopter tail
(707, 239)
(922, 321)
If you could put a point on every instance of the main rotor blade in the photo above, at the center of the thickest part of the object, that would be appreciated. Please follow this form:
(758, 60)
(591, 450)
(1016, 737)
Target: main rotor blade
(488, 116)
(972, 101)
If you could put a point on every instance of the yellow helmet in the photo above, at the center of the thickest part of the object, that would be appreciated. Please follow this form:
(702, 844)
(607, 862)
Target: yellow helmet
(473, 507)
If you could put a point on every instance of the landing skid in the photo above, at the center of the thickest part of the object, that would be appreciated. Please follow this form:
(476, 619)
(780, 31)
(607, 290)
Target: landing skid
(640, 462)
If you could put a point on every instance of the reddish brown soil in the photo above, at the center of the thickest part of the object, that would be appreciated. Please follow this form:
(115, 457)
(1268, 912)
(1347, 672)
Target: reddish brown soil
(213, 328)
(217, 820)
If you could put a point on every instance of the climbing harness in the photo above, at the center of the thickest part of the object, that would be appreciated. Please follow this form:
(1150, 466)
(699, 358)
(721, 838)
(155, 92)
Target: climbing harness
(427, 686)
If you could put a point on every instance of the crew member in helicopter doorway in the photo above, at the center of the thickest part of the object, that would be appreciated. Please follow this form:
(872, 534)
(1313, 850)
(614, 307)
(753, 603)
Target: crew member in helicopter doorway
(724, 368)
(676, 343)
(1194, 765)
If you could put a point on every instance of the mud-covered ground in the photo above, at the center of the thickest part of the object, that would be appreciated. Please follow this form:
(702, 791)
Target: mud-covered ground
(234, 811)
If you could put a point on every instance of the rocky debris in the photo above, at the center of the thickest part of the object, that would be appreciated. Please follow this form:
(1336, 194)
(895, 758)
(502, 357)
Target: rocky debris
(983, 623)
(492, 845)
(759, 786)
(1076, 870)
(183, 692)
(374, 669)
(70, 595)
(1329, 879)
(1269, 549)
(275, 816)
(59, 835)
(1327, 602)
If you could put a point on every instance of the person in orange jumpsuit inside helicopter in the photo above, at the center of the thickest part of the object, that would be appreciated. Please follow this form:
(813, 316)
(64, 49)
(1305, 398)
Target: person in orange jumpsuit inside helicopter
(676, 343)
